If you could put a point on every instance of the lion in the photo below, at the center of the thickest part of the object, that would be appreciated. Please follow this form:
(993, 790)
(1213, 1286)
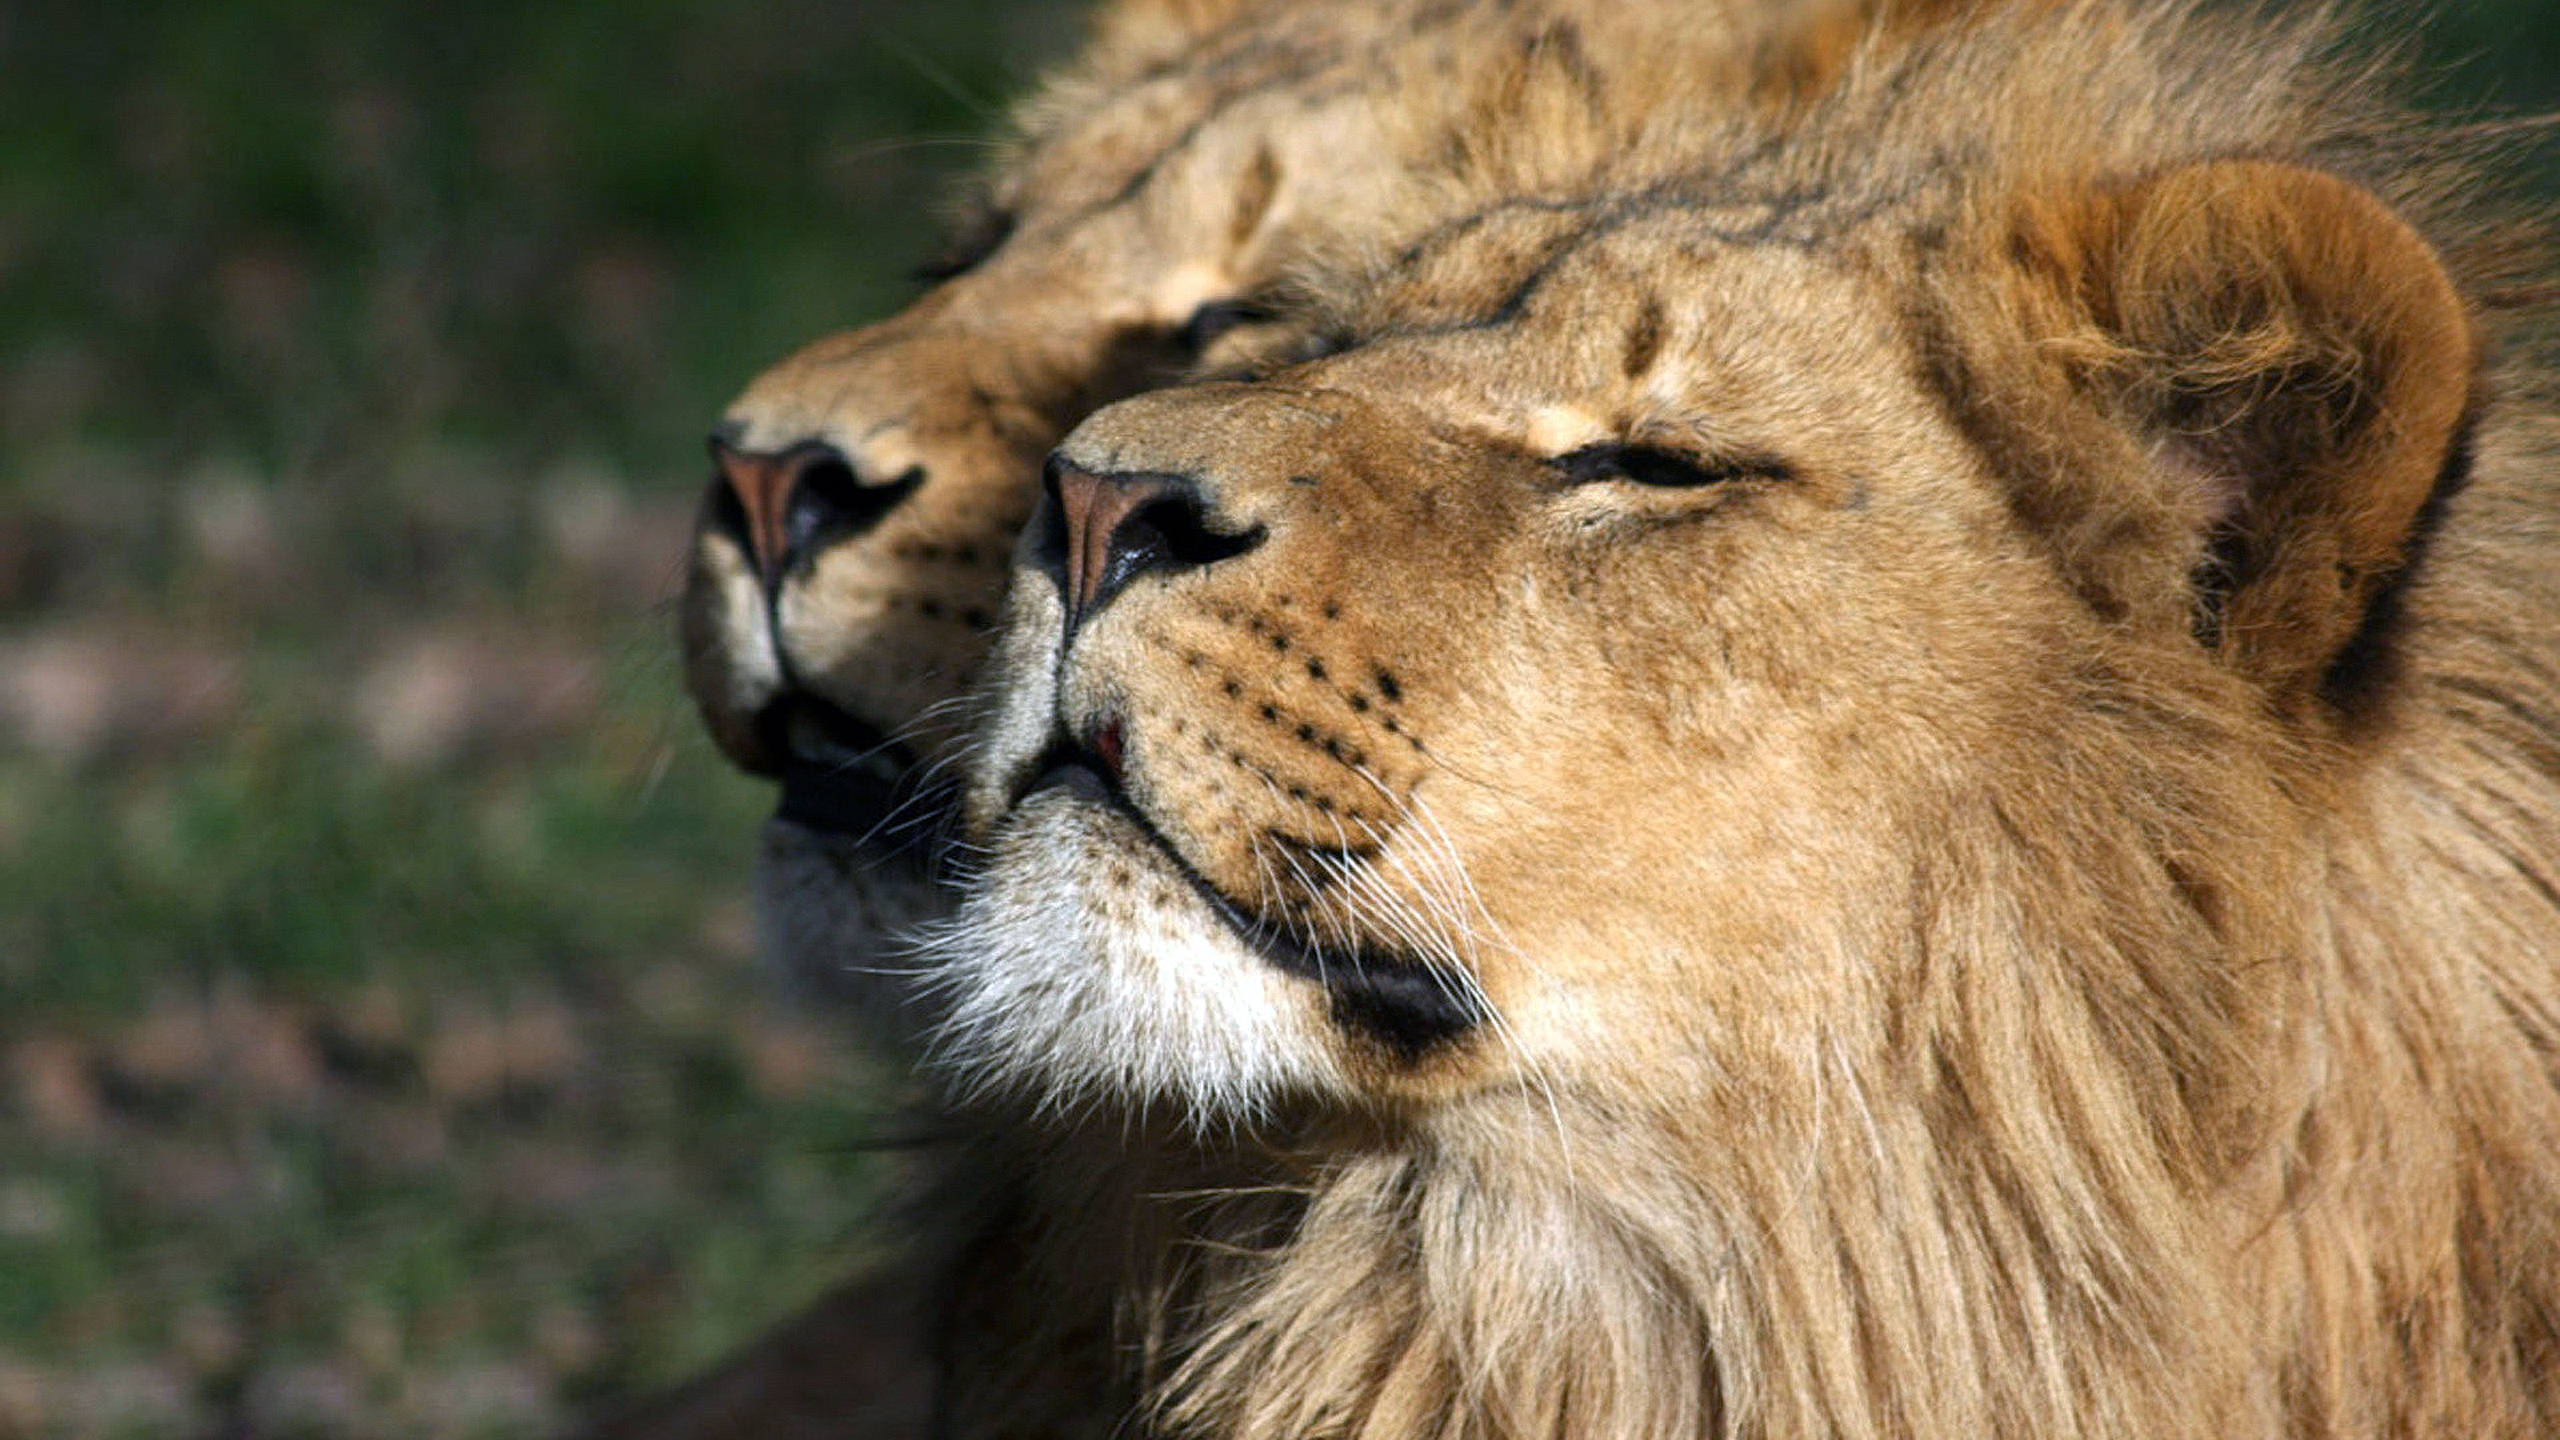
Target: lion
(1902, 780)
(1140, 225)
(852, 551)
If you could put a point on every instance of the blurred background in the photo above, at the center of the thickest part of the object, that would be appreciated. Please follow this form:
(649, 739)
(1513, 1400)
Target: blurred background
(382, 1052)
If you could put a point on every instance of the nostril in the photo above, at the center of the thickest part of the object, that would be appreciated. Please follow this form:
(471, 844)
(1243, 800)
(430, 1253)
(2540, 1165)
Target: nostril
(783, 505)
(824, 490)
(830, 502)
(1175, 531)
(1098, 532)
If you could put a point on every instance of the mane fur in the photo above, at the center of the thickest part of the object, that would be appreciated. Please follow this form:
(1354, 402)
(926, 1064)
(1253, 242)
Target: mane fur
(2245, 1125)
(1461, 87)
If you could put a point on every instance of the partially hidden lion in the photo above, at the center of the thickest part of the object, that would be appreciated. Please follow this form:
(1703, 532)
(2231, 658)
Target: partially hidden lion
(1139, 225)
(1901, 781)
(1142, 223)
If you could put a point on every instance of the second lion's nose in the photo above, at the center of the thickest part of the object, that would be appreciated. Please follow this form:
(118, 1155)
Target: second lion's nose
(1101, 531)
(784, 504)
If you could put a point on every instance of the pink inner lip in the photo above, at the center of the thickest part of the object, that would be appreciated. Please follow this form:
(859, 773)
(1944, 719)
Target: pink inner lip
(1107, 744)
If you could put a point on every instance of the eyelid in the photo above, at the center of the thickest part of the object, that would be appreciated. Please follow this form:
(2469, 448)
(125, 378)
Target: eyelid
(982, 235)
(1661, 468)
(1217, 317)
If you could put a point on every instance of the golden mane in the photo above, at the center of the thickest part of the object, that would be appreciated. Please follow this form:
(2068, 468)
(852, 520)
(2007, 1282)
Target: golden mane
(2032, 1229)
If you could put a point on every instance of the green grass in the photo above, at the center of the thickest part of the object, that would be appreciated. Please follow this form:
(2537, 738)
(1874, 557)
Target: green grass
(353, 1084)
(469, 1066)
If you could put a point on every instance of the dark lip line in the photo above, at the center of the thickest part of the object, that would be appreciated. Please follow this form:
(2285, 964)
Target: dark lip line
(863, 739)
(1264, 938)
(848, 795)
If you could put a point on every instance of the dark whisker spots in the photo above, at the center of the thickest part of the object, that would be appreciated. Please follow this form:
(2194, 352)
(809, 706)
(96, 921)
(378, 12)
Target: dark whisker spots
(1321, 857)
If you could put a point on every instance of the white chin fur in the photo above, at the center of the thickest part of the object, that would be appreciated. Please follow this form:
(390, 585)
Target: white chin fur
(1064, 989)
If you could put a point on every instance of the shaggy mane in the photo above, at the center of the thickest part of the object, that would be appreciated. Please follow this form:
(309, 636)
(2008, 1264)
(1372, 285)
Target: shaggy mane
(2319, 1182)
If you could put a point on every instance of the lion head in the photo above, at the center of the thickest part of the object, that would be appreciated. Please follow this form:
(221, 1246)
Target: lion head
(851, 554)
(1776, 780)
(852, 551)
(1743, 550)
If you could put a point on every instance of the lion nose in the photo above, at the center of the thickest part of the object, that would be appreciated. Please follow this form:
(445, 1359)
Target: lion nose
(788, 503)
(1098, 532)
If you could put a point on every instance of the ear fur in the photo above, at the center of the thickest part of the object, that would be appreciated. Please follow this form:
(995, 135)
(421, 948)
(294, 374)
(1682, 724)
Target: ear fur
(1155, 29)
(2294, 356)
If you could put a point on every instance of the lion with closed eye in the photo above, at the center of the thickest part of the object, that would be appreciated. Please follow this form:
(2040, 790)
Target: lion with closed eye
(1901, 782)
(852, 550)
(1139, 225)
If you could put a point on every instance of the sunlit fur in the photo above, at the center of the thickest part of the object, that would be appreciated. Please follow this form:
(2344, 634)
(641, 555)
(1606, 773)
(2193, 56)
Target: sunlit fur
(1190, 156)
(2021, 903)
(1194, 155)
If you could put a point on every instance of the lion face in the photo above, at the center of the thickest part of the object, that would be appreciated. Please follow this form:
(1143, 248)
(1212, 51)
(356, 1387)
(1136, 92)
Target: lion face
(1304, 790)
(1620, 672)
(855, 548)
(853, 551)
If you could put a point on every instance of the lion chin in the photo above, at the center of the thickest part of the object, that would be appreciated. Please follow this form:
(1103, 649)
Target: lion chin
(1165, 1004)
(1883, 765)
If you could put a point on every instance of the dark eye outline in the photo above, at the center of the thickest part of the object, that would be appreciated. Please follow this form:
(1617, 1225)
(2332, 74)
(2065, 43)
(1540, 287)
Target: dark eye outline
(1653, 466)
(1218, 317)
(978, 237)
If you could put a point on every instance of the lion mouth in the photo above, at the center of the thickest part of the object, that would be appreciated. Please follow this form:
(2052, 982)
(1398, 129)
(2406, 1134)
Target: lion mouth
(1407, 1006)
(1090, 771)
(844, 776)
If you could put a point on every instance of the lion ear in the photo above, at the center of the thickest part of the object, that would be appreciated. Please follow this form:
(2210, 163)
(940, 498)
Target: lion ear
(1156, 27)
(2280, 338)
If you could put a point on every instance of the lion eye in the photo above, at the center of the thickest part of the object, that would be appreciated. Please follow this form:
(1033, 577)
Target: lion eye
(1217, 318)
(980, 236)
(1648, 465)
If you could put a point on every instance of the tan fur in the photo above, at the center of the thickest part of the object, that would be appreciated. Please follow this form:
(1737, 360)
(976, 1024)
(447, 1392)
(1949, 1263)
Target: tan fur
(1196, 152)
(2022, 906)
(1195, 156)
(1180, 164)
(1189, 158)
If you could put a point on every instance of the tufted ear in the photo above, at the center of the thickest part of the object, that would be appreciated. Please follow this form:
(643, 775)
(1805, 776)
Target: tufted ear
(2293, 356)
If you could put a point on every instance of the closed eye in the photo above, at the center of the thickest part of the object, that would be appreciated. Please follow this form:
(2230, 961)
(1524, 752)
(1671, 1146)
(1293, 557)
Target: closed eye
(978, 237)
(1652, 465)
(1217, 318)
